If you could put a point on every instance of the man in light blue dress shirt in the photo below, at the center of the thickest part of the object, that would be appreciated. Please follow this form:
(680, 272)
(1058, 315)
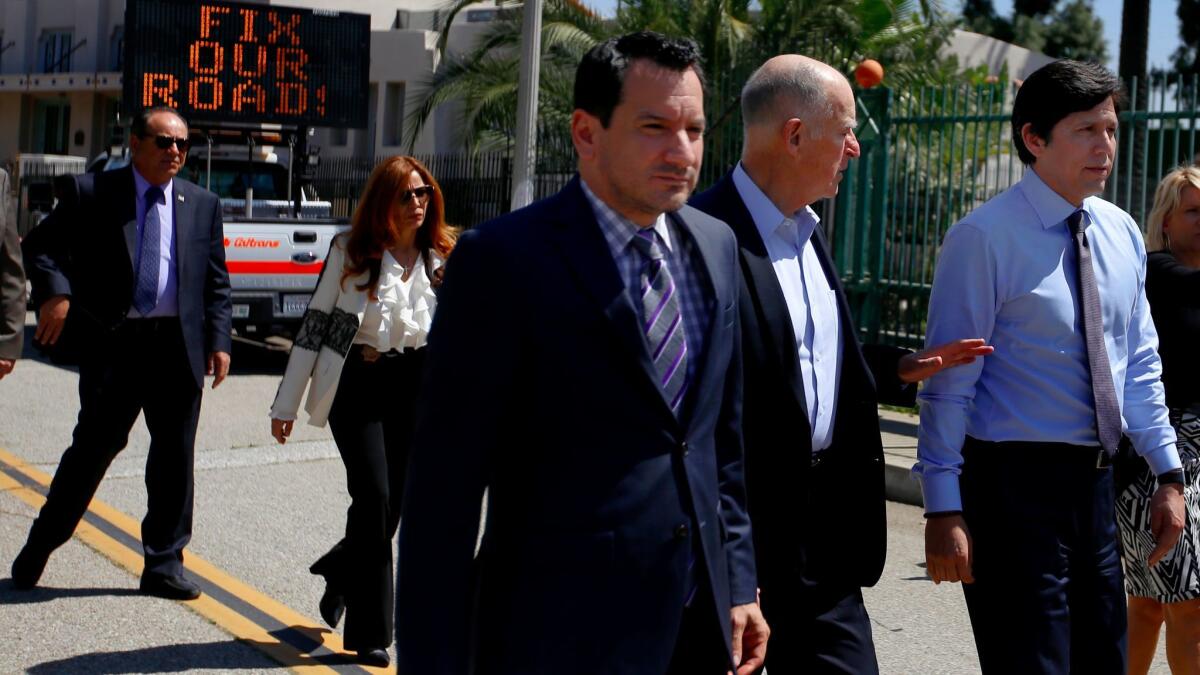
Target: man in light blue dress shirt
(1015, 451)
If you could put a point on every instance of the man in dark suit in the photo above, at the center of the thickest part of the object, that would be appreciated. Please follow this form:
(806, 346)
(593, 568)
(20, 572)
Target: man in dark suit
(584, 369)
(12, 283)
(129, 275)
(814, 460)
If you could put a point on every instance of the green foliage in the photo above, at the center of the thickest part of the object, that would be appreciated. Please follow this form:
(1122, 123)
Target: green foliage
(1072, 31)
(483, 82)
(1187, 58)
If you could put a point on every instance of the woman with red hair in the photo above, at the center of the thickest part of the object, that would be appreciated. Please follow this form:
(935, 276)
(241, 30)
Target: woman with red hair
(359, 353)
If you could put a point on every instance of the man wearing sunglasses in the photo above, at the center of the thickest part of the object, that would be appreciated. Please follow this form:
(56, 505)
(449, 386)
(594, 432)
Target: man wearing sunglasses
(129, 277)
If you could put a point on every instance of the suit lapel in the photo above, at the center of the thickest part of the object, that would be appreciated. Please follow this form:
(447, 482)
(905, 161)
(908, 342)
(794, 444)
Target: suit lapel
(126, 210)
(853, 360)
(582, 244)
(710, 252)
(764, 286)
(185, 221)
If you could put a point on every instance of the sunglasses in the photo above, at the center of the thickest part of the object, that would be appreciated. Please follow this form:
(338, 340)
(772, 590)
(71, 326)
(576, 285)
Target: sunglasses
(422, 193)
(165, 142)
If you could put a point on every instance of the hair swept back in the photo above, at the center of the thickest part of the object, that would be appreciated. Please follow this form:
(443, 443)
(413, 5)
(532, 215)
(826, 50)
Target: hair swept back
(371, 229)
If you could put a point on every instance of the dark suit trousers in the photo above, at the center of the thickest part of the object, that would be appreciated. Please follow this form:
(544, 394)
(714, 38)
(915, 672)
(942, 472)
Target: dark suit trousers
(143, 369)
(372, 424)
(818, 621)
(1048, 595)
(699, 648)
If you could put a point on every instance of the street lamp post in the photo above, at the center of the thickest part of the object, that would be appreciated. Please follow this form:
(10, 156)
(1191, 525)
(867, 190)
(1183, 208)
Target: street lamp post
(527, 103)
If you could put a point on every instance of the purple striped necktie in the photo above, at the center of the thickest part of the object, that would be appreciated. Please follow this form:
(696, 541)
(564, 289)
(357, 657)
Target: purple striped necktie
(662, 319)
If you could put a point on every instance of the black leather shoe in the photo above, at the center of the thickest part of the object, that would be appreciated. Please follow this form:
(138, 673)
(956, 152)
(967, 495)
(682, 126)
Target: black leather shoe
(332, 605)
(374, 657)
(176, 587)
(27, 568)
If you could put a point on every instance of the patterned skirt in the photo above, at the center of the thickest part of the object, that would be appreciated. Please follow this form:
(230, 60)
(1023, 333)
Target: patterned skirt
(1177, 576)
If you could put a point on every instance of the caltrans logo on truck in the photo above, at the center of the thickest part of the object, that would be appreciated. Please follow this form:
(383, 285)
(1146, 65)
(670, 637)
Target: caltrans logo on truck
(252, 243)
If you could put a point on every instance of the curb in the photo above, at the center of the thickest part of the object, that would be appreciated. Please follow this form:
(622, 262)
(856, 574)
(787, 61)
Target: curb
(900, 486)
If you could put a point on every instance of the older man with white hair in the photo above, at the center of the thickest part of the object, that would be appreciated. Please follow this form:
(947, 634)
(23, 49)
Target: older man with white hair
(814, 459)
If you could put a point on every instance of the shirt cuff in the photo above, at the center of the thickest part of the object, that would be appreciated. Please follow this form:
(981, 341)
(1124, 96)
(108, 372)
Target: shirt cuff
(1163, 459)
(941, 492)
(286, 417)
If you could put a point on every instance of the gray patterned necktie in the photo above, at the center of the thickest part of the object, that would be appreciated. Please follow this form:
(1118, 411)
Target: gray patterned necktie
(662, 319)
(145, 289)
(1108, 411)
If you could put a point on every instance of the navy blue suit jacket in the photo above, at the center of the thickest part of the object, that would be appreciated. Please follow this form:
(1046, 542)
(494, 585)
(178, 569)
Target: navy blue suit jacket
(540, 388)
(86, 249)
(792, 541)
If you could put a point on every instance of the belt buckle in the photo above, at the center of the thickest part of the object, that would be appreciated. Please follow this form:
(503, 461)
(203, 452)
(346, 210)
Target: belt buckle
(1103, 459)
(817, 460)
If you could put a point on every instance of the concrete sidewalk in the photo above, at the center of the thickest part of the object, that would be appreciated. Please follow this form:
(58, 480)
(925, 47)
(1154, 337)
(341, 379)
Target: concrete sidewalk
(899, 432)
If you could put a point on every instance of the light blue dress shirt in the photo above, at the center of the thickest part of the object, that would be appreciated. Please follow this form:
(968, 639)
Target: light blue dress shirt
(1007, 273)
(168, 276)
(811, 302)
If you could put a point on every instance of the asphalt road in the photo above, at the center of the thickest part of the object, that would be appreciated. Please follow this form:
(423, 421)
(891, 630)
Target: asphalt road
(263, 514)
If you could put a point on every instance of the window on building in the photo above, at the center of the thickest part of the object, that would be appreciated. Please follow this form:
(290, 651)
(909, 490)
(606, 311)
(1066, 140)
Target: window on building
(56, 51)
(116, 49)
(51, 126)
(393, 114)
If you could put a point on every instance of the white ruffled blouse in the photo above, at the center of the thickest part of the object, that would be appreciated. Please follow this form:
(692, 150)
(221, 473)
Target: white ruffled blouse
(404, 312)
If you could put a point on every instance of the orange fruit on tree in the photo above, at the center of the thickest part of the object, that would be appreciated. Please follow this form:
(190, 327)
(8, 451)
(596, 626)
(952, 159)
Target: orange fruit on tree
(868, 73)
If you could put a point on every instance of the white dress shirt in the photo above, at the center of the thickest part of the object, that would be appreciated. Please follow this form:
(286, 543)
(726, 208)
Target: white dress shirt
(811, 302)
(402, 316)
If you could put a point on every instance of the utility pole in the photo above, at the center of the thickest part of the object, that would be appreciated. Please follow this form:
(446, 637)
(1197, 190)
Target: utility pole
(527, 104)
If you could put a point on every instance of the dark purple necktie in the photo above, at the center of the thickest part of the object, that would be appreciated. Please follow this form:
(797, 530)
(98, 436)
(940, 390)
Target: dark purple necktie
(1108, 411)
(145, 289)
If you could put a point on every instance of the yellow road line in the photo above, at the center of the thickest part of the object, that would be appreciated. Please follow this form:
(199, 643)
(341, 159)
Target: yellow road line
(238, 625)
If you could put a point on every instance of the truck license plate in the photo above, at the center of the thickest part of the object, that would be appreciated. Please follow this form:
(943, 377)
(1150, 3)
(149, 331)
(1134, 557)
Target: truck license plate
(294, 305)
(241, 311)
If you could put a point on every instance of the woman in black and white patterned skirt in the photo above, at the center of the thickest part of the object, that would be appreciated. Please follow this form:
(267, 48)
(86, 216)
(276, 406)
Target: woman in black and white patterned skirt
(1170, 591)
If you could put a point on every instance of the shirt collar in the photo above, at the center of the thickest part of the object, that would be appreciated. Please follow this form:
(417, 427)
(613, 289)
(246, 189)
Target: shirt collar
(1050, 207)
(142, 185)
(618, 229)
(767, 217)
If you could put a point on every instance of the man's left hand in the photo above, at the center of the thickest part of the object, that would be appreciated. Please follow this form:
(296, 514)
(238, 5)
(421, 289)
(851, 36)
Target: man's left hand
(218, 367)
(6, 366)
(750, 633)
(1167, 519)
(927, 362)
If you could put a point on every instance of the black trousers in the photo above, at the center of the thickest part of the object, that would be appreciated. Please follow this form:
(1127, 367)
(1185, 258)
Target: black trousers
(1048, 595)
(699, 647)
(143, 369)
(372, 424)
(818, 621)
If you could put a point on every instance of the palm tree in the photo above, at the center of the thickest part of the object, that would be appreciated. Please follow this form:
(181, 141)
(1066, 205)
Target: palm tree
(484, 80)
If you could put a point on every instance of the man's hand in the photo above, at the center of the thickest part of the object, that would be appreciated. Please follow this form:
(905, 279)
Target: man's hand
(281, 429)
(1167, 519)
(948, 549)
(218, 367)
(750, 633)
(6, 366)
(51, 317)
(927, 362)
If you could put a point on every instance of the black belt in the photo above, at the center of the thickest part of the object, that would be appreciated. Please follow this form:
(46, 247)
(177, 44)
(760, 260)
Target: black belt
(358, 349)
(148, 325)
(1090, 455)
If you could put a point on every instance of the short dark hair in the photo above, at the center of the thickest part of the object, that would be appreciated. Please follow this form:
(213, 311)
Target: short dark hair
(140, 120)
(1059, 89)
(601, 73)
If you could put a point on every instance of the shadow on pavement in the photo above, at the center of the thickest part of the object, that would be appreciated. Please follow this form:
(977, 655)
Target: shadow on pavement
(224, 655)
(11, 596)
